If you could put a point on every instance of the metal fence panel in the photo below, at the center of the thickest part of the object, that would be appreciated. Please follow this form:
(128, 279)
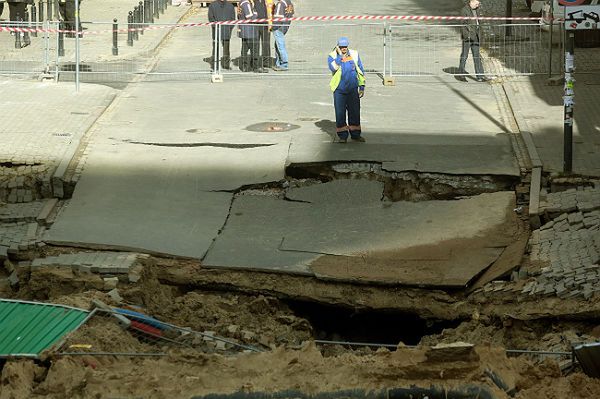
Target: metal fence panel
(308, 45)
(21, 53)
(506, 49)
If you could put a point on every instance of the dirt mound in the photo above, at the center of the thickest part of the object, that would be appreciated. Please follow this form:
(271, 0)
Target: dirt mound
(183, 374)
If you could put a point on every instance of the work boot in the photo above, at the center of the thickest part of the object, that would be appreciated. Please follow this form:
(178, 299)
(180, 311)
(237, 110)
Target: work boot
(359, 139)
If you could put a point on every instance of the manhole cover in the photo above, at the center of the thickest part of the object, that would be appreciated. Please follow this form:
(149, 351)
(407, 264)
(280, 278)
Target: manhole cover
(272, 127)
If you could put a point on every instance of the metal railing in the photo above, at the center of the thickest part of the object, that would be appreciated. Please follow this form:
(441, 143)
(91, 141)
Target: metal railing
(124, 51)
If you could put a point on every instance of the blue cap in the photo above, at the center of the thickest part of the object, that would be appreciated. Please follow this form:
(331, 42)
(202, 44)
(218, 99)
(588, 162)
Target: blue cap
(343, 42)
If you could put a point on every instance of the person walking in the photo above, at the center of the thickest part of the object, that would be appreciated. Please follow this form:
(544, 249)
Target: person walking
(221, 10)
(283, 9)
(471, 39)
(264, 35)
(249, 35)
(348, 87)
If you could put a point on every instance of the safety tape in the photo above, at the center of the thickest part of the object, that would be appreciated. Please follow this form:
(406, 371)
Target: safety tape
(274, 20)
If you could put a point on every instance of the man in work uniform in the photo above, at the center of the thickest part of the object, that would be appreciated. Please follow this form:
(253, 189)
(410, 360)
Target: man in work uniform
(67, 13)
(471, 38)
(348, 86)
(283, 9)
(221, 10)
(249, 35)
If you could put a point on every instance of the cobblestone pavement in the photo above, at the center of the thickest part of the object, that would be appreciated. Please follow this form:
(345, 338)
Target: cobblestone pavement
(565, 252)
(39, 122)
(95, 262)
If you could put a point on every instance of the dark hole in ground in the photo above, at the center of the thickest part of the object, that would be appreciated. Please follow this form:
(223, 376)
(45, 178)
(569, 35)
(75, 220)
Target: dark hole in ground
(335, 323)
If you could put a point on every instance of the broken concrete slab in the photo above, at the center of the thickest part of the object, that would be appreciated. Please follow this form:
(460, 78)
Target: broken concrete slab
(132, 214)
(492, 156)
(253, 235)
(427, 243)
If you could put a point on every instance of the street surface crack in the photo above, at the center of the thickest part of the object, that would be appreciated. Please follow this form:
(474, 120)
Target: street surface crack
(192, 145)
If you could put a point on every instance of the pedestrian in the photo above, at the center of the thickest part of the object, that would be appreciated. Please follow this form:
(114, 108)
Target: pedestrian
(67, 13)
(221, 10)
(283, 9)
(348, 86)
(264, 36)
(249, 35)
(1, 7)
(17, 10)
(471, 39)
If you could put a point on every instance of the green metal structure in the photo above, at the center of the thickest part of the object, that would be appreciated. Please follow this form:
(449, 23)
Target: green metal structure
(29, 328)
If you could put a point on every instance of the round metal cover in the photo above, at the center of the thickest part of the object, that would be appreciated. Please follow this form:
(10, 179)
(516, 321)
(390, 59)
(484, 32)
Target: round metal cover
(272, 127)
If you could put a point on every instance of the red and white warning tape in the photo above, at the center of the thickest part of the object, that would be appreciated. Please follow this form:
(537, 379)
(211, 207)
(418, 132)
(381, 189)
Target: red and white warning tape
(275, 20)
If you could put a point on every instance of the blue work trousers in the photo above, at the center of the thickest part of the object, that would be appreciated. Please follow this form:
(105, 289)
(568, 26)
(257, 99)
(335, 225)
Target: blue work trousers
(347, 104)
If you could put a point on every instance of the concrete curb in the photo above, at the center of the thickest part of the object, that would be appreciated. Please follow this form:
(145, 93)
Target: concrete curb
(536, 162)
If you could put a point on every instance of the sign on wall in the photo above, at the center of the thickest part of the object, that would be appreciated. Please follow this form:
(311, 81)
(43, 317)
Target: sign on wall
(582, 17)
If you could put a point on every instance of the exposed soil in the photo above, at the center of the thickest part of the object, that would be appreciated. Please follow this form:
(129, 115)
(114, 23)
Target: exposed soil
(262, 312)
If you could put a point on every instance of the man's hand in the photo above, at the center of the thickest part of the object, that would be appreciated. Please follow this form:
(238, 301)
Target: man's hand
(361, 92)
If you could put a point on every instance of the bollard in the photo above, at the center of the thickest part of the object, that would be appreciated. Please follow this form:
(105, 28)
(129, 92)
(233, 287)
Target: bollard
(141, 11)
(150, 11)
(61, 40)
(129, 27)
(26, 38)
(49, 10)
(34, 19)
(136, 16)
(115, 49)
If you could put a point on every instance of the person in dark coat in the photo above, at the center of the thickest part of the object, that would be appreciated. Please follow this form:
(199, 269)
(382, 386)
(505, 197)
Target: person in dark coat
(249, 35)
(471, 39)
(264, 36)
(18, 13)
(67, 13)
(221, 10)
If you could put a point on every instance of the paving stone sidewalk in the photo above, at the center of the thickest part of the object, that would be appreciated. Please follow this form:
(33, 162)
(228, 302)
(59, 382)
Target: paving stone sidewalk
(541, 107)
(96, 45)
(40, 121)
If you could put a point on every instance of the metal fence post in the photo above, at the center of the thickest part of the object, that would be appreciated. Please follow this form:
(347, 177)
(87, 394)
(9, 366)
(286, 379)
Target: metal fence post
(569, 103)
(129, 27)
(115, 36)
(61, 40)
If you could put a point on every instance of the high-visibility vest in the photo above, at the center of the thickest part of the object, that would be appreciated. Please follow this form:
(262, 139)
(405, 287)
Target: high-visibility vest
(337, 76)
